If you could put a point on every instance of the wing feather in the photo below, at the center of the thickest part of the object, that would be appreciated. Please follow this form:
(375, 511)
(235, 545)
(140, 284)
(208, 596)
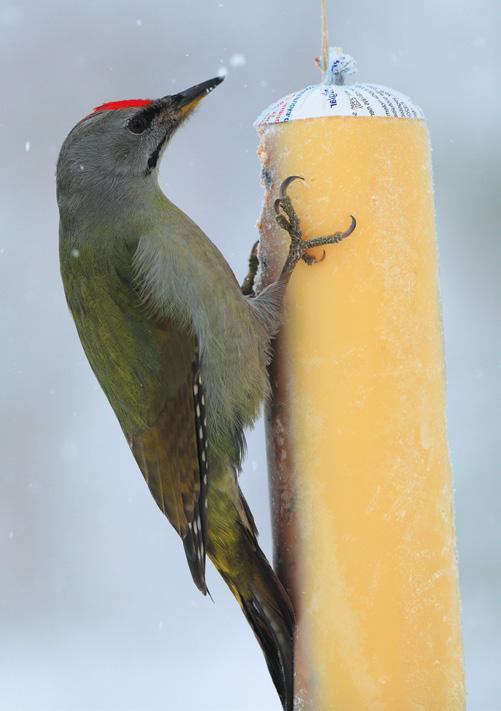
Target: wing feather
(172, 456)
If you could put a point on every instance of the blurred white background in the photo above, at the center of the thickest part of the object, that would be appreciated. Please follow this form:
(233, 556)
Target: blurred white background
(97, 608)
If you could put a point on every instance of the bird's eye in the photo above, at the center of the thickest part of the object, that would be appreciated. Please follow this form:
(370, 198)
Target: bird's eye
(137, 124)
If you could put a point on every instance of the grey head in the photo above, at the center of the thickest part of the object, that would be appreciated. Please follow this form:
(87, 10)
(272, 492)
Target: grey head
(113, 154)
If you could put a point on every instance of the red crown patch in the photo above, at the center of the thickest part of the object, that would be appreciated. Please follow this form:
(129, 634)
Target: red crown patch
(110, 105)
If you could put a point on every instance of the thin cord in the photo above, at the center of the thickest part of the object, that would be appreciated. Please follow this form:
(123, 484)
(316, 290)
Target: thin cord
(325, 38)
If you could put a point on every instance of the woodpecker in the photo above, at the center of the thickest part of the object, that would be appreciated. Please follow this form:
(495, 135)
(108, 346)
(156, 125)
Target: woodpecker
(180, 351)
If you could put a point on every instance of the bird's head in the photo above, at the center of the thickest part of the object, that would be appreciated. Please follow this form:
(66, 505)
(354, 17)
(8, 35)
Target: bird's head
(123, 140)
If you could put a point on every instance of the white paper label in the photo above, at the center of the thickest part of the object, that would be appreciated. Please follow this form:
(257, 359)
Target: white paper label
(347, 100)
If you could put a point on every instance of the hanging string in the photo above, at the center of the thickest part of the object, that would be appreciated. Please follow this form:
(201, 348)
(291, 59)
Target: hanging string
(325, 39)
(333, 63)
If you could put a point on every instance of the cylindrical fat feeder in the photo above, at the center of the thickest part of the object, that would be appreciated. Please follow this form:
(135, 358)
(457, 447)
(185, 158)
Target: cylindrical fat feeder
(358, 460)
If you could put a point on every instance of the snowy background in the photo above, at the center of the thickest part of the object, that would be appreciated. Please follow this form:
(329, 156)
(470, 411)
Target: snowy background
(97, 608)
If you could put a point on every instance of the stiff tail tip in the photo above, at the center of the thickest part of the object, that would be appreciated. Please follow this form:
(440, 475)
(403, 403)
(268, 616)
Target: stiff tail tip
(269, 612)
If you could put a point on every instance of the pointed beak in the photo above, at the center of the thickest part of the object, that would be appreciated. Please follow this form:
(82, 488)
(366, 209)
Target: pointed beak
(187, 100)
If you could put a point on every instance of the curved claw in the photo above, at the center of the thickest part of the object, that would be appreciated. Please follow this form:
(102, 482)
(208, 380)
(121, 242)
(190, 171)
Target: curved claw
(310, 259)
(350, 229)
(287, 182)
(277, 205)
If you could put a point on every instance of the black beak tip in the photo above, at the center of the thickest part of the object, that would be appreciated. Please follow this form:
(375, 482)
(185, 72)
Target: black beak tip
(196, 92)
(212, 83)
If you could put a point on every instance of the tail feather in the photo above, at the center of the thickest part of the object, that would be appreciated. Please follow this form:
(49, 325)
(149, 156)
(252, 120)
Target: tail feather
(269, 612)
(234, 550)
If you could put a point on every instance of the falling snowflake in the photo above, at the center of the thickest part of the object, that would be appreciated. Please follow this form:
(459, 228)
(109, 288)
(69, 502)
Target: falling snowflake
(238, 60)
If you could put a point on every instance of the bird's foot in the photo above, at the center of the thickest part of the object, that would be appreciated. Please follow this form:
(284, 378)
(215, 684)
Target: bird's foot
(288, 220)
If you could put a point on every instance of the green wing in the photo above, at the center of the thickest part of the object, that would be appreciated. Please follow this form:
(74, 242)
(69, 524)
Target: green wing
(149, 370)
(172, 455)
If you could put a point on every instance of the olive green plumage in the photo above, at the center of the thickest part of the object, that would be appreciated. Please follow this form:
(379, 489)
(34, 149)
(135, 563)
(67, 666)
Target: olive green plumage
(179, 351)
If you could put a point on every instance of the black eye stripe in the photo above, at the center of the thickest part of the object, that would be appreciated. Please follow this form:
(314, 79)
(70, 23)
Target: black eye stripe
(145, 117)
(150, 112)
